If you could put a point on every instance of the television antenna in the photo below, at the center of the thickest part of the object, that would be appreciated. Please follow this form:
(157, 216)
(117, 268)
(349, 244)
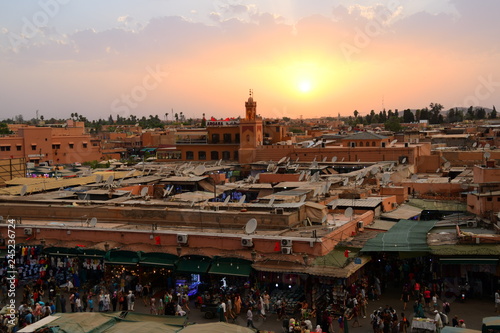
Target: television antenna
(251, 226)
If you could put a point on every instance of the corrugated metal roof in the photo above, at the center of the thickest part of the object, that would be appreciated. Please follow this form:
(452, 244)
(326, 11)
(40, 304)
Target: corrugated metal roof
(368, 202)
(403, 212)
(405, 236)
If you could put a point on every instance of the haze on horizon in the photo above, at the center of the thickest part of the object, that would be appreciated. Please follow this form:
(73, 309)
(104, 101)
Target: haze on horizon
(313, 59)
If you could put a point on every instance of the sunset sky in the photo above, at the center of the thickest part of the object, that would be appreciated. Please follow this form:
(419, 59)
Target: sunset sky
(310, 58)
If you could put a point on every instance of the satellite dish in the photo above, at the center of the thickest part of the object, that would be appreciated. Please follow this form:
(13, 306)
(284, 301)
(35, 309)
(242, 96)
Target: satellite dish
(324, 159)
(343, 158)
(447, 165)
(334, 204)
(349, 129)
(144, 192)
(487, 155)
(348, 212)
(256, 178)
(323, 220)
(334, 159)
(271, 201)
(487, 146)
(269, 167)
(242, 199)
(93, 222)
(282, 160)
(393, 142)
(23, 191)
(129, 174)
(220, 162)
(301, 176)
(98, 178)
(360, 182)
(403, 161)
(302, 199)
(192, 203)
(438, 170)
(386, 177)
(414, 178)
(110, 179)
(374, 171)
(498, 215)
(345, 182)
(226, 201)
(251, 226)
(199, 170)
(474, 145)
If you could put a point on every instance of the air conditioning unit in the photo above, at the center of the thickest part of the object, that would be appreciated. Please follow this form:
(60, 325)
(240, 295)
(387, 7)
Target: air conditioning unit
(286, 250)
(28, 231)
(286, 242)
(246, 242)
(279, 211)
(182, 238)
(470, 224)
(360, 224)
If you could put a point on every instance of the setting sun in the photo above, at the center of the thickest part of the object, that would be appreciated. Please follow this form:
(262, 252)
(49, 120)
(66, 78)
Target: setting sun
(305, 86)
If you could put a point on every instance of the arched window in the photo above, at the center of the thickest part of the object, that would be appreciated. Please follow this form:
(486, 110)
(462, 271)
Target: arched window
(226, 155)
(189, 155)
(361, 143)
(202, 155)
(373, 143)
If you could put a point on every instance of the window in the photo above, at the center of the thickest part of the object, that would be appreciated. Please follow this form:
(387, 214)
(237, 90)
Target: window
(236, 156)
(277, 129)
(373, 143)
(56, 146)
(215, 138)
(71, 146)
(19, 148)
(227, 138)
(202, 155)
(214, 155)
(361, 144)
(33, 147)
(189, 155)
(84, 145)
(489, 199)
(5, 148)
(226, 155)
(237, 138)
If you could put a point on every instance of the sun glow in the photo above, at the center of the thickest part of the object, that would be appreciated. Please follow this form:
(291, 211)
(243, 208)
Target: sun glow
(305, 86)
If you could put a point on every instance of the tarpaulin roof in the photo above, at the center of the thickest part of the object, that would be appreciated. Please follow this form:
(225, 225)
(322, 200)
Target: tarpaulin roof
(216, 328)
(98, 322)
(405, 236)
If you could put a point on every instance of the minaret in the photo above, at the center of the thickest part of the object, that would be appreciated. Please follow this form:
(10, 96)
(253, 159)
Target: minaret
(251, 132)
(251, 107)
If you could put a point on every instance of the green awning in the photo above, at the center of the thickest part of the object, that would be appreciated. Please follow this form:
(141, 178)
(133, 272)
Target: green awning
(193, 264)
(122, 257)
(158, 259)
(62, 251)
(91, 253)
(468, 261)
(231, 266)
(404, 236)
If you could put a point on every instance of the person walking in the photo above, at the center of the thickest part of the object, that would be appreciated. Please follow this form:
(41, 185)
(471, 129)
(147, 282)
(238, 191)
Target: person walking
(250, 318)
(130, 301)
